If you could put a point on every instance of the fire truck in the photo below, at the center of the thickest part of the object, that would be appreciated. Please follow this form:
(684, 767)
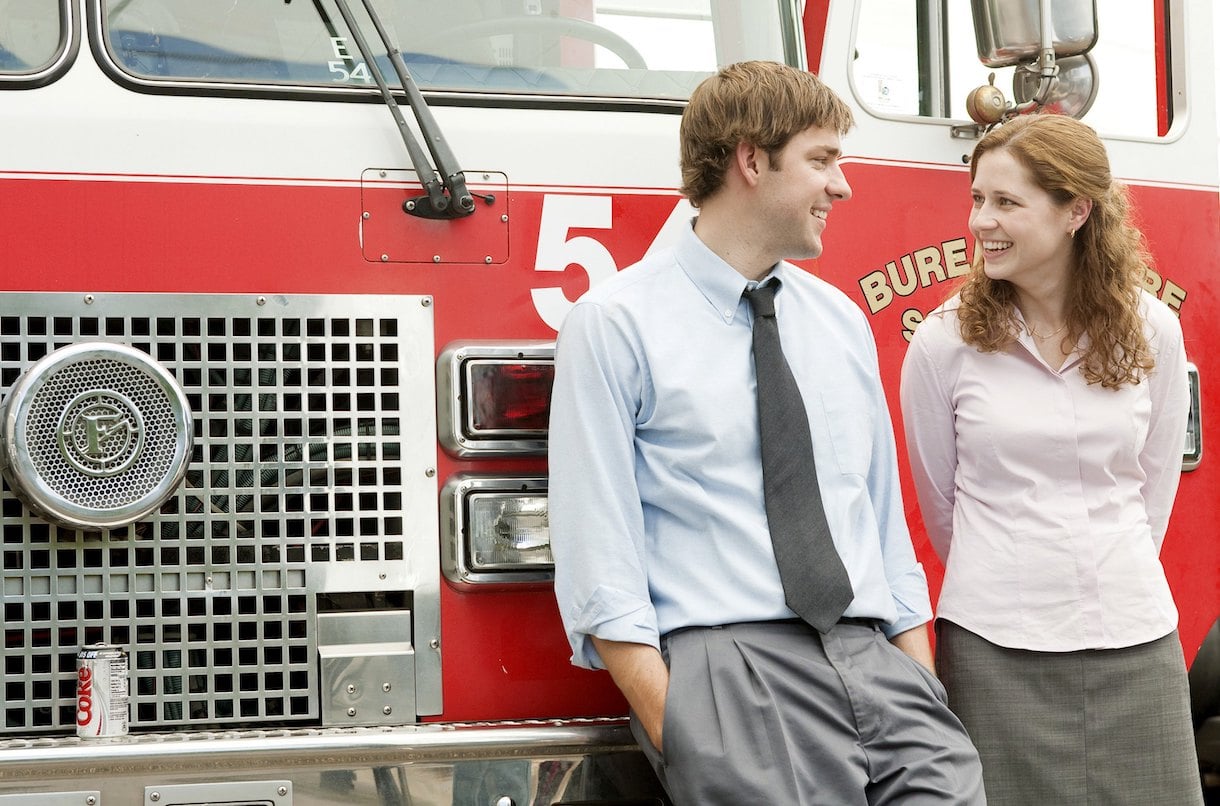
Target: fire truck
(279, 287)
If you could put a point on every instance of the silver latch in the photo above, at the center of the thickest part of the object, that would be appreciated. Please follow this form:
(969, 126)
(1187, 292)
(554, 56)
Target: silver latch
(367, 667)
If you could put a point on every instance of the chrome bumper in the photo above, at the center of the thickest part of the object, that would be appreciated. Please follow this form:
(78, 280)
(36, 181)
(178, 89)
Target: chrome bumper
(535, 763)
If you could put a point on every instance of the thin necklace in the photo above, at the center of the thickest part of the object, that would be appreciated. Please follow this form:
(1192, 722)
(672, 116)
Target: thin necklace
(1038, 335)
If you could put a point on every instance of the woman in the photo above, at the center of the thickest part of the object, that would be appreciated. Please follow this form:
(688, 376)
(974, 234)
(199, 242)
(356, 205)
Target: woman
(1045, 409)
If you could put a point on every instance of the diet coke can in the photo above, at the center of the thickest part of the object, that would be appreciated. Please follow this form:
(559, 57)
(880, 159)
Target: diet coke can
(101, 691)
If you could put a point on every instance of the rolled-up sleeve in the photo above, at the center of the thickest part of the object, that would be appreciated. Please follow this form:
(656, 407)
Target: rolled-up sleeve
(596, 519)
(931, 438)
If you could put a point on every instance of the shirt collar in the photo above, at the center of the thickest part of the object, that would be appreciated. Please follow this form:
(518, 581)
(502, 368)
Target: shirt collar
(720, 284)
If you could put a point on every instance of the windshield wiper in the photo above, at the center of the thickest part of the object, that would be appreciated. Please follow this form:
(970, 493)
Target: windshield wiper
(447, 194)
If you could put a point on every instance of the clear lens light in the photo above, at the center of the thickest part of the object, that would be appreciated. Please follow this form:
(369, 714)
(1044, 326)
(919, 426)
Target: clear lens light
(509, 530)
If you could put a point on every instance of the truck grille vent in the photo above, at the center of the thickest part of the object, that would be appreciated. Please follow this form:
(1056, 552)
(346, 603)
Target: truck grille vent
(295, 489)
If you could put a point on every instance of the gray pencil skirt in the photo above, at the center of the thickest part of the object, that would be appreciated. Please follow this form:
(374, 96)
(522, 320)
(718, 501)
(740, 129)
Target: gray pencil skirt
(1089, 728)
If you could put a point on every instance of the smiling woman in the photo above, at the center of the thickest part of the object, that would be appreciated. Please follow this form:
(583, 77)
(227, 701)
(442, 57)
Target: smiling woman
(1026, 233)
(1044, 407)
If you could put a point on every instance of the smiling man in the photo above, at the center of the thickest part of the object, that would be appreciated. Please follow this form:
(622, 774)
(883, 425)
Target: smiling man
(725, 510)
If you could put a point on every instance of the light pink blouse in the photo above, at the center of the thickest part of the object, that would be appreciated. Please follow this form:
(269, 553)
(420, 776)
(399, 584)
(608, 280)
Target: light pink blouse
(1047, 498)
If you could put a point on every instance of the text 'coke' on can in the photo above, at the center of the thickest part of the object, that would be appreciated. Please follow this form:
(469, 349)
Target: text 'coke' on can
(101, 691)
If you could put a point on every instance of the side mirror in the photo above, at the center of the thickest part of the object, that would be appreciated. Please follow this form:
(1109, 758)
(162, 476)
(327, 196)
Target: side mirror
(1072, 94)
(1009, 32)
(1048, 41)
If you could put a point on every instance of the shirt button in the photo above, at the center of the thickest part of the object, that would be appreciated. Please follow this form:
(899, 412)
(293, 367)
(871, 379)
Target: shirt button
(728, 314)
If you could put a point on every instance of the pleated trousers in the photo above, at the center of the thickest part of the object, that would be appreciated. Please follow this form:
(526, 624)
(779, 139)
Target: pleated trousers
(776, 713)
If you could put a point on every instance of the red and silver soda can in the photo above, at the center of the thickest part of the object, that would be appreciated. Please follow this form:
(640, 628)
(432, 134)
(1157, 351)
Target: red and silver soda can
(101, 691)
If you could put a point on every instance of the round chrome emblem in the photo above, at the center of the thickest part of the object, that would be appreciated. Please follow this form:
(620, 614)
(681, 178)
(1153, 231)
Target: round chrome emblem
(95, 436)
(101, 433)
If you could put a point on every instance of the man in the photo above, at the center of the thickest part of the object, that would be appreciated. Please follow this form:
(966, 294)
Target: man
(667, 502)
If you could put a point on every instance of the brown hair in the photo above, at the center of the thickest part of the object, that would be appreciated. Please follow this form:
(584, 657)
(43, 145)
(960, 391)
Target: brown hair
(1066, 159)
(761, 103)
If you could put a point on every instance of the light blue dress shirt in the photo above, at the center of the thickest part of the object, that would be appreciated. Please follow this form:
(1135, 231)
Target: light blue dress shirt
(656, 495)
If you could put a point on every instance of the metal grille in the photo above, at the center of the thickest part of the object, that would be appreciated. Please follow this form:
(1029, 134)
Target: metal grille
(309, 487)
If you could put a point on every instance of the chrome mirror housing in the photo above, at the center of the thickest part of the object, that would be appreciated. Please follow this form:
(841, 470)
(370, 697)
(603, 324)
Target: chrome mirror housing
(1072, 94)
(1048, 42)
(1009, 32)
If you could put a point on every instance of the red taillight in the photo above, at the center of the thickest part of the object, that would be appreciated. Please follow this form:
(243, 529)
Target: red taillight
(508, 398)
(494, 397)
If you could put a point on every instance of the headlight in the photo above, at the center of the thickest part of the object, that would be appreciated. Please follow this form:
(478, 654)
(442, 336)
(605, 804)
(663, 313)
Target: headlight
(507, 530)
(496, 530)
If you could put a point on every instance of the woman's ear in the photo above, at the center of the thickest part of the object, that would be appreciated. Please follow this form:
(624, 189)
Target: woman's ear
(1081, 208)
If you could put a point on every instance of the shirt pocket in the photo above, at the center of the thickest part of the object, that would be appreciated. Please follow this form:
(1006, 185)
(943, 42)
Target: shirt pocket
(848, 417)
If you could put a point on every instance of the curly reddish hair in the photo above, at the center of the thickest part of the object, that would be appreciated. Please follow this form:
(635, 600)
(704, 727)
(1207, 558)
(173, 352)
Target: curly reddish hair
(1066, 159)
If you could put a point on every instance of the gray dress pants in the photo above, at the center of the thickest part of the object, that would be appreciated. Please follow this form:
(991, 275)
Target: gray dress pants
(775, 713)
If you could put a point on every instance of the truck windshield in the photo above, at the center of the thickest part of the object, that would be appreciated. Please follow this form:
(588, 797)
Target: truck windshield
(32, 34)
(625, 49)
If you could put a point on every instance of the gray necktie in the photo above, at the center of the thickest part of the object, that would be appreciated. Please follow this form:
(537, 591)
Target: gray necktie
(816, 585)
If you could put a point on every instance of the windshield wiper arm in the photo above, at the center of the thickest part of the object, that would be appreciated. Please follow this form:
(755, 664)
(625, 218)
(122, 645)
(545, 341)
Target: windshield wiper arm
(447, 194)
